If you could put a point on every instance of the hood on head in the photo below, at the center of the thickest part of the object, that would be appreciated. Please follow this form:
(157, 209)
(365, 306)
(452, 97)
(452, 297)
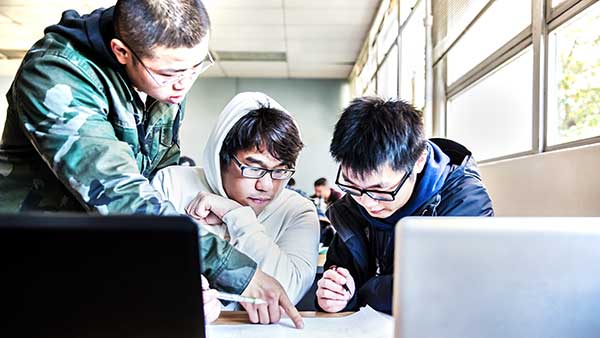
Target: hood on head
(237, 108)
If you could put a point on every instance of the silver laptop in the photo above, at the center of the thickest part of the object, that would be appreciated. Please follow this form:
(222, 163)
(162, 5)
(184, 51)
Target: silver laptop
(497, 277)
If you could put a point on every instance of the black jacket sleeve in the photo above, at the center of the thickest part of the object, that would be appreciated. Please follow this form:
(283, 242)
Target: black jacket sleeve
(377, 293)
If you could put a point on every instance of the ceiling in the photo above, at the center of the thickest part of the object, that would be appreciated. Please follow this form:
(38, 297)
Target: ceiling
(292, 38)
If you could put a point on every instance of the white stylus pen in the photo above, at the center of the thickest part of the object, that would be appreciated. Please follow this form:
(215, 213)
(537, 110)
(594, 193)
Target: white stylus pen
(238, 298)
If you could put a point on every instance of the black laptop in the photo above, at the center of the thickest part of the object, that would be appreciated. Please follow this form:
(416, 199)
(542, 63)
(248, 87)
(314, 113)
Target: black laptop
(70, 276)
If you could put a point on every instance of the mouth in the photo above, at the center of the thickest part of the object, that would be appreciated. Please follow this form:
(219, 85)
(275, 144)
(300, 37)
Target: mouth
(259, 200)
(175, 99)
(375, 211)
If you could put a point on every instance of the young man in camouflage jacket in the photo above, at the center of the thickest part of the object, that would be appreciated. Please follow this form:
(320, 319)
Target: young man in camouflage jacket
(94, 112)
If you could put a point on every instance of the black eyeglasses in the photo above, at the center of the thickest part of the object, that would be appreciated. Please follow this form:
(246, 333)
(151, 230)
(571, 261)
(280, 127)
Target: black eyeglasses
(257, 172)
(170, 79)
(377, 195)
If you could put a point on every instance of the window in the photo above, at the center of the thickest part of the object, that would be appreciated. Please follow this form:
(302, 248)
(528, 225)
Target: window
(412, 59)
(406, 7)
(493, 117)
(370, 90)
(387, 80)
(574, 79)
(388, 34)
(484, 93)
(488, 34)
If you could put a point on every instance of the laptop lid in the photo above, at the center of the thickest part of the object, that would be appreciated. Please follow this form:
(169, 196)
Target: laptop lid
(94, 276)
(497, 277)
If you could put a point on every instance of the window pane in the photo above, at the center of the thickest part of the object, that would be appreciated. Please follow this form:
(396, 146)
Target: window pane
(493, 118)
(388, 34)
(370, 90)
(412, 60)
(406, 6)
(387, 81)
(490, 32)
(574, 79)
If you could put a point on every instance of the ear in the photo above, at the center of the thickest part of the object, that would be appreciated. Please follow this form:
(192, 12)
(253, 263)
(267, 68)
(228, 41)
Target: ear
(121, 51)
(421, 162)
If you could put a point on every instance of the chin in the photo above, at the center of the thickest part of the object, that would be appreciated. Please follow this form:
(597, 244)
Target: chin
(257, 209)
(381, 214)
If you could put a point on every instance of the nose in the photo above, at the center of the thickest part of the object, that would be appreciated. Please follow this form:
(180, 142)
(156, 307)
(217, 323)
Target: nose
(184, 82)
(367, 201)
(264, 183)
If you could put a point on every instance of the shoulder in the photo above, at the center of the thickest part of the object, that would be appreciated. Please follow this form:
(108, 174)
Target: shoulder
(464, 194)
(53, 66)
(54, 51)
(176, 178)
(292, 201)
(180, 184)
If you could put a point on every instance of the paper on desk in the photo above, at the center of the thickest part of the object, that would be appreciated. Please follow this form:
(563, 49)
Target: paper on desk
(365, 323)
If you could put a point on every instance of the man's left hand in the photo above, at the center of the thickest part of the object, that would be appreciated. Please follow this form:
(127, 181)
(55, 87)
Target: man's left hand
(209, 208)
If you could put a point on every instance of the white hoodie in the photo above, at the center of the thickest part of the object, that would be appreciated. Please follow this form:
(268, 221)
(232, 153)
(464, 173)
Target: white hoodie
(283, 239)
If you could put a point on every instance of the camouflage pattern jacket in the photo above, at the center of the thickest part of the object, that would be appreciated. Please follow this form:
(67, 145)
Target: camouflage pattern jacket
(78, 138)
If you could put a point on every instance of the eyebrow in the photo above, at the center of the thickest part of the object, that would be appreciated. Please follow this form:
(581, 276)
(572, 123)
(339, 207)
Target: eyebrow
(260, 163)
(367, 188)
(173, 70)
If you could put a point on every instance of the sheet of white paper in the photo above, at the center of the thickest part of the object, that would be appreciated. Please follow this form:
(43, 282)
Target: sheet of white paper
(364, 323)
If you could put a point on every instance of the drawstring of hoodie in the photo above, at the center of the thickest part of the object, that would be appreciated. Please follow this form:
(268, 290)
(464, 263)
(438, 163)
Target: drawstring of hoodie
(432, 206)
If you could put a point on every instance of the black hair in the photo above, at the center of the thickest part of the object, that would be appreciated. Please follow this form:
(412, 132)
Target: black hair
(291, 182)
(320, 181)
(372, 132)
(262, 128)
(146, 24)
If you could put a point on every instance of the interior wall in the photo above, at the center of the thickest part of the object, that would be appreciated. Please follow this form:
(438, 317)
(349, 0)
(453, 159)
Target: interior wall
(558, 183)
(5, 82)
(315, 104)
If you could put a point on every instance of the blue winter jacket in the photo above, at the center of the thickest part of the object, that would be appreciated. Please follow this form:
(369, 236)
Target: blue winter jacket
(365, 245)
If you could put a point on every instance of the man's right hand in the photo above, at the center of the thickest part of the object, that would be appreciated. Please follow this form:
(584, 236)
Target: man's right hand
(331, 294)
(268, 289)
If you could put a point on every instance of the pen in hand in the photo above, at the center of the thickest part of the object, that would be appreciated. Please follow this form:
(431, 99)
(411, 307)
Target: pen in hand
(241, 299)
(345, 286)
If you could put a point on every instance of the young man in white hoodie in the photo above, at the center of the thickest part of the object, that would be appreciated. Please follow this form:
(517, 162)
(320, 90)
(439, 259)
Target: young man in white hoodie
(239, 193)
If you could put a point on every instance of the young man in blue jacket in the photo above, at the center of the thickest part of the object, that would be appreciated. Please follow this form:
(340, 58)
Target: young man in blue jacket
(388, 170)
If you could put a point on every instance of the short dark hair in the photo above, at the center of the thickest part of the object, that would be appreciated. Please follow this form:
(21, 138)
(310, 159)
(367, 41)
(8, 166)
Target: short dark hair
(372, 132)
(291, 182)
(147, 24)
(262, 128)
(320, 181)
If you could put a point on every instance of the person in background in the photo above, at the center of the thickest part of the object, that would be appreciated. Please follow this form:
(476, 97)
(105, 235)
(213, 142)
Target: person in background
(291, 184)
(325, 192)
(388, 170)
(94, 112)
(239, 192)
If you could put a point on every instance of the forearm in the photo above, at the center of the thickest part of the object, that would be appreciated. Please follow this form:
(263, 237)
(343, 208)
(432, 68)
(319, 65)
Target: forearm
(291, 260)
(226, 268)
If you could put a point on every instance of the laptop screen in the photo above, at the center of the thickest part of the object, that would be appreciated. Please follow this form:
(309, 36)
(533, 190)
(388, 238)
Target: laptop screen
(95, 276)
(496, 277)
